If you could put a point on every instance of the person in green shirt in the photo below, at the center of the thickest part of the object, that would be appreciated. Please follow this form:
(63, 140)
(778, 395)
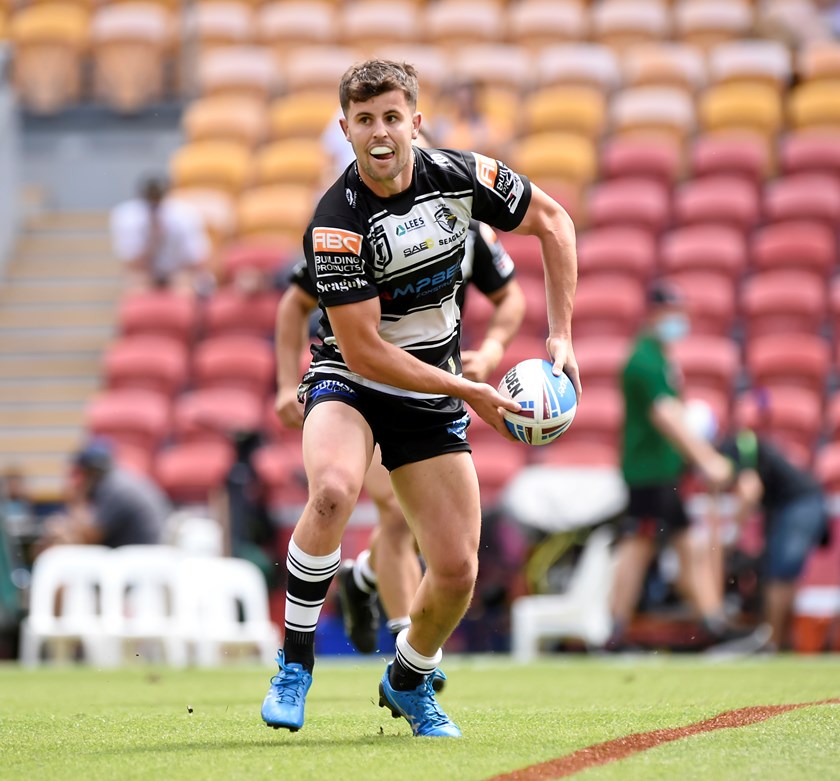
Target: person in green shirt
(658, 447)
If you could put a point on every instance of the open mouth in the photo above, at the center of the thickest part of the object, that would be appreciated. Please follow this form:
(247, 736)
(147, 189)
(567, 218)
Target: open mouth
(382, 153)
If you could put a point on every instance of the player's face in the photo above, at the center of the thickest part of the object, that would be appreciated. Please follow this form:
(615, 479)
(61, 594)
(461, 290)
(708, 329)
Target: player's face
(381, 131)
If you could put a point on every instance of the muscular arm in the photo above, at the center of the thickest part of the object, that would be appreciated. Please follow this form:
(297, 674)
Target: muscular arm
(548, 221)
(291, 329)
(365, 352)
(508, 311)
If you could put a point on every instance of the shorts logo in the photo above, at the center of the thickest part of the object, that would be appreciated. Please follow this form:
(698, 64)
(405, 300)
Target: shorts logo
(330, 388)
(486, 169)
(336, 240)
(459, 427)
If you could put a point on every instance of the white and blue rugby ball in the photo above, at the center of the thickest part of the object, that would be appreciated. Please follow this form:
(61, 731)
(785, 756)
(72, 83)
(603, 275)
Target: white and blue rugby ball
(548, 402)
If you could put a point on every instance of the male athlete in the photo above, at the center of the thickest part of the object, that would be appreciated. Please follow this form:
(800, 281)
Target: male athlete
(389, 567)
(388, 372)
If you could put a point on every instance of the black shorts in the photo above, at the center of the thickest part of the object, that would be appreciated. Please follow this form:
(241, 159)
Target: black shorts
(655, 512)
(406, 429)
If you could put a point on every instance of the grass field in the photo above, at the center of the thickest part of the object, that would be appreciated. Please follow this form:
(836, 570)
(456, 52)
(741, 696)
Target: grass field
(142, 723)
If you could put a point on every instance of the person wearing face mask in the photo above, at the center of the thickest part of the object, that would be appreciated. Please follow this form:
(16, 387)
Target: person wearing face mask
(658, 446)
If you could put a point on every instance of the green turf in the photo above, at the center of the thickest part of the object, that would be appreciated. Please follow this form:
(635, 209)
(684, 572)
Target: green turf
(76, 723)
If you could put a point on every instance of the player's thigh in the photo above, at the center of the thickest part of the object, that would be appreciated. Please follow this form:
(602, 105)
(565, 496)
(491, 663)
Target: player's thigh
(441, 501)
(378, 481)
(337, 446)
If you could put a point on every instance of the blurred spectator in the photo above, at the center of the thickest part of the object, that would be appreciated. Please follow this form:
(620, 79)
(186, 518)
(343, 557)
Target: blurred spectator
(657, 447)
(162, 241)
(795, 514)
(16, 507)
(106, 505)
(463, 125)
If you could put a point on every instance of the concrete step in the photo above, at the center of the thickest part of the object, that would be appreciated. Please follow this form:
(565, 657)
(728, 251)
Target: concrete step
(50, 368)
(68, 221)
(18, 391)
(102, 315)
(66, 245)
(23, 342)
(20, 270)
(95, 291)
(16, 416)
(55, 441)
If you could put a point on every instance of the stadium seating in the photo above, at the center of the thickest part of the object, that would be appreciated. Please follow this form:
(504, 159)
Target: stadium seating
(602, 359)
(710, 299)
(285, 26)
(789, 301)
(711, 248)
(706, 23)
(641, 158)
(556, 158)
(497, 461)
(265, 259)
(366, 25)
(751, 62)
(809, 152)
(227, 117)
(290, 161)
(279, 466)
(653, 111)
(605, 306)
(622, 25)
(275, 215)
(588, 64)
(665, 64)
(215, 414)
(132, 416)
(158, 312)
(807, 196)
(619, 251)
(190, 472)
(629, 201)
(223, 165)
(450, 24)
(743, 155)
(789, 360)
(234, 361)
(708, 362)
(242, 70)
(232, 311)
(799, 245)
(598, 418)
(739, 107)
(151, 362)
(300, 116)
(719, 200)
(534, 24)
(814, 105)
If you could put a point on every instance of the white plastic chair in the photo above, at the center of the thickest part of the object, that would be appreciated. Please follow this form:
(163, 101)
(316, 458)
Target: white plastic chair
(64, 605)
(199, 537)
(222, 604)
(581, 612)
(138, 605)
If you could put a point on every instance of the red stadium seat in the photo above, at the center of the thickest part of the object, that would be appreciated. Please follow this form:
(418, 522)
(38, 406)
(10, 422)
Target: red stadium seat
(789, 360)
(280, 468)
(832, 418)
(151, 362)
(191, 472)
(644, 158)
(795, 245)
(235, 361)
(779, 302)
(711, 248)
(598, 418)
(606, 306)
(710, 301)
(812, 197)
(629, 201)
(709, 362)
(619, 250)
(724, 200)
(535, 321)
(790, 416)
(524, 346)
(216, 414)
(577, 454)
(130, 416)
(262, 258)
(497, 462)
(525, 252)
(161, 313)
(601, 360)
(827, 467)
(230, 311)
(810, 152)
(739, 155)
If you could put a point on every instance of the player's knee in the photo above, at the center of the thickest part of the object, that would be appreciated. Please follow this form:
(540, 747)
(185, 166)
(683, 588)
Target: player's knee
(456, 574)
(333, 496)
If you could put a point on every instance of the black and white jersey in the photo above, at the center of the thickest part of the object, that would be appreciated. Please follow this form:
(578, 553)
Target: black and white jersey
(407, 250)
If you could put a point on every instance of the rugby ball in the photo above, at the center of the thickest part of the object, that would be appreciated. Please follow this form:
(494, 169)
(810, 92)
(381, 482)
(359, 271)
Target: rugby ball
(548, 402)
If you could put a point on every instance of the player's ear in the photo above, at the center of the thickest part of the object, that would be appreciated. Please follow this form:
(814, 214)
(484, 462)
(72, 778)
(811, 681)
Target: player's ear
(416, 121)
(345, 127)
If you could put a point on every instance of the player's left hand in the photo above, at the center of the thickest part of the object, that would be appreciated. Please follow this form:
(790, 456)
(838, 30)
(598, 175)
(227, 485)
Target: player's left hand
(475, 365)
(563, 357)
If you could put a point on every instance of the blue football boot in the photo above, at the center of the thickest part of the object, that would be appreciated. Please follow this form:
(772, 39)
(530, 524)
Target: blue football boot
(418, 707)
(283, 705)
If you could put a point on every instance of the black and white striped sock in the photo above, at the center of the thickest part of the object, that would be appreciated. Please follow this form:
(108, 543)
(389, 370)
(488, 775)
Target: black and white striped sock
(410, 668)
(309, 581)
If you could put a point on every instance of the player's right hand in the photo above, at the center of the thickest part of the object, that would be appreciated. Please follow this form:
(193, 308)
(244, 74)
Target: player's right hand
(289, 410)
(489, 404)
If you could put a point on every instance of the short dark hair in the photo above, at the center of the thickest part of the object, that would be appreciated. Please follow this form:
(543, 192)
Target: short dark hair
(366, 80)
(153, 189)
(663, 293)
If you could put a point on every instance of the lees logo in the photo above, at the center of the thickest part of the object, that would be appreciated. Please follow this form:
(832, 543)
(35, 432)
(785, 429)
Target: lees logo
(336, 240)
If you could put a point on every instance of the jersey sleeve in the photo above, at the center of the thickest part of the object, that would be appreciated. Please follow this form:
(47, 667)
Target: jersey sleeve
(502, 196)
(299, 275)
(493, 267)
(339, 260)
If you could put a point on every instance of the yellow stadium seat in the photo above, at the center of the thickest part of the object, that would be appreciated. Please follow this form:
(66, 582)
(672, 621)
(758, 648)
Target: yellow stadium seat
(240, 118)
(533, 24)
(665, 64)
(285, 26)
(4, 25)
(317, 69)
(556, 159)
(242, 70)
(275, 213)
(734, 107)
(366, 25)
(49, 41)
(432, 64)
(706, 23)
(570, 108)
(129, 43)
(819, 60)
(301, 116)
(622, 25)
(291, 161)
(225, 165)
(815, 105)
(221, 23)
(454, 23)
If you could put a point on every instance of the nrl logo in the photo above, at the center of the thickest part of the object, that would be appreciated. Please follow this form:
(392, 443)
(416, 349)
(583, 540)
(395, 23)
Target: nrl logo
(445, 218)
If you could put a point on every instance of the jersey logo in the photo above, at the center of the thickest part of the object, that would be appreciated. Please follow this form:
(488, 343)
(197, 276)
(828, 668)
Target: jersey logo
(486, 169)
(445, 218)
(381, 248)
(336, 240)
